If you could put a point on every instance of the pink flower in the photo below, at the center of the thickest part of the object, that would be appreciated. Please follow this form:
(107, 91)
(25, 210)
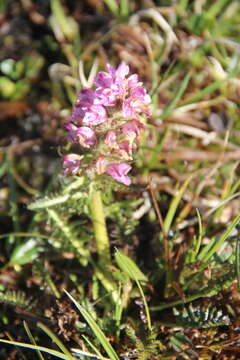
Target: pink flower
(103, 80)
(86, 136)
(137, 102)
(121, 72)
(119, 171)
(83, 135)
(112, 84)
(139, 93)
(111, 140)
(87, 109)
(71, 164)
(126, 149)
(101, 165)
(88, 115)
(72, 132)
(106, 96)
(86, 97)
(132, 127)
(133, 81)
(94, 115)
(106, 79)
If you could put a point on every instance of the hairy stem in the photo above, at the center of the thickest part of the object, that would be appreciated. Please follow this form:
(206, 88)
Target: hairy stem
(99, 228)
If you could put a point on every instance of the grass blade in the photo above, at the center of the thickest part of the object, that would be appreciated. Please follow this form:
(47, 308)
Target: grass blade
(221, 240)
(124, 8)
(113, 6)
(55, 340)
(99, 355)
(96, 329)
(31, 338)
(170, 107)
(130, 270)
(36, 347)
(174, 204)
(206, 91)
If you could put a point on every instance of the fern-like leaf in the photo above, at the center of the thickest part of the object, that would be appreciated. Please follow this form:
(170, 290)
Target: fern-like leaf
(200, 317)
(17, 298)
(50, 201)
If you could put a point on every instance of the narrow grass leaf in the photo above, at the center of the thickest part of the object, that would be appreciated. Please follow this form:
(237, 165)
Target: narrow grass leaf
(96, 329)
(36, 347)
(66, 24)
(31, 338)
(206, 91)
(113, 6)
(221, 240)
(174, 205)
(200, 234)
(99, 355)
(205, 250)
(124, 8)
(216, 8)
(55, 340)
(171, 106)
(128, 269)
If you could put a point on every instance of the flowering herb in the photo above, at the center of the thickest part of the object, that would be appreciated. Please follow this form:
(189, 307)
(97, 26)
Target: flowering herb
(107, 121)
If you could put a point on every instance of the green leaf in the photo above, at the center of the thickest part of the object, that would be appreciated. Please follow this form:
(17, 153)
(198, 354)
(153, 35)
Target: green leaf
(220, 241)
(113, 6)
(40, 348)
(31, 338)
(55, 340)
(129, 267)
(176, 97)
(96, 329)
(25, 253)
(174, 205)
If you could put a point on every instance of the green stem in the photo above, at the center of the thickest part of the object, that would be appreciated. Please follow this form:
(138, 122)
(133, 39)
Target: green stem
(99, 228)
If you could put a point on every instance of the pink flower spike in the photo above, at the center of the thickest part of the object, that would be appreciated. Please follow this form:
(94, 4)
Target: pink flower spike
(71, 164)
(119, 171)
